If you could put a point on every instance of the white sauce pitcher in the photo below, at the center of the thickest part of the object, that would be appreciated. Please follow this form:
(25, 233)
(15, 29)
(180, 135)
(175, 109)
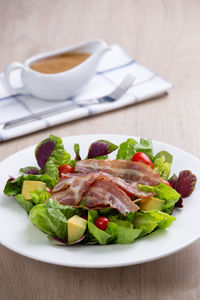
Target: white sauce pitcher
(57, 86)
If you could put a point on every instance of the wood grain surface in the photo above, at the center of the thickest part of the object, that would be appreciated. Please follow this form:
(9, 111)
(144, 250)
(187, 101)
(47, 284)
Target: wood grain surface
(163, 35)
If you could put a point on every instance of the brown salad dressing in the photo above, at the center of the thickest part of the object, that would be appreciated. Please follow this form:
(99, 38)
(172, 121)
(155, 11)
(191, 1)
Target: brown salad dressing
(59, 63)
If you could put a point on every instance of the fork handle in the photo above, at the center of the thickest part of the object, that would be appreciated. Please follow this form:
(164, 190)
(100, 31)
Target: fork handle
(27, 119)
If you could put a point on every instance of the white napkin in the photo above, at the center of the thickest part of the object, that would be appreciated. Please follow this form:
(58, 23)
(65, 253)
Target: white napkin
(112, 69)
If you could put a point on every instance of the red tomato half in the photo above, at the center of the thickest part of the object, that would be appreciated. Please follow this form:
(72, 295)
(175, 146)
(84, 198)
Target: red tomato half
(64, 169)
(143, 158)
(166, 182)
(102, 223)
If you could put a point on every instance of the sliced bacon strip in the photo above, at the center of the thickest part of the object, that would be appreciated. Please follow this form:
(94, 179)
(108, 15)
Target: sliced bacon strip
(131, 189)
(76, 186)
(130, 171)
(65, 197)
(107, 193)
(94, 165)
(97, 188)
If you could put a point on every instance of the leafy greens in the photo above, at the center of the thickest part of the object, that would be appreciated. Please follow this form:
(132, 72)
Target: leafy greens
(147, 221)
(128, 148)
(14, 187)
(163, 192)
(50, 155)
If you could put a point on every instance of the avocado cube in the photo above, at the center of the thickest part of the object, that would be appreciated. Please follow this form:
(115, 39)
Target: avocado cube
(76, 228)
(151, 203)
(29, 186)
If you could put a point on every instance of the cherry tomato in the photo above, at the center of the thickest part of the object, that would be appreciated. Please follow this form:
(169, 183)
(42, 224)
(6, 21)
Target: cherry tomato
(166, 182)
(64, 169)
(102, 223)
(48, 189)
(143, 158)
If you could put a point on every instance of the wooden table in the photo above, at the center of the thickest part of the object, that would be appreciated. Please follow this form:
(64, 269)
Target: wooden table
(163, 35)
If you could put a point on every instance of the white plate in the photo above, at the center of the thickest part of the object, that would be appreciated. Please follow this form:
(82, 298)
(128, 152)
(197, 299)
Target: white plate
(19, 235)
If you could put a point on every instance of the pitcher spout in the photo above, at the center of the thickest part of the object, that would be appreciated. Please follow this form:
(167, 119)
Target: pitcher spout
(103, 51)
(102, 48)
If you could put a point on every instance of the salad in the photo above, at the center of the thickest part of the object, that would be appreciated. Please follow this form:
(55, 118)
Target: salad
(96, 200)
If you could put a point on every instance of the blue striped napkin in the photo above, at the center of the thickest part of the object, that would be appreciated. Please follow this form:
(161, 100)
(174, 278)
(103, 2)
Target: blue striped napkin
(115, 65)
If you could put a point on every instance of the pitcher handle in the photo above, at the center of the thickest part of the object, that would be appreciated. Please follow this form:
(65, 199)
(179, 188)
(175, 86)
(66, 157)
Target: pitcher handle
(11, 67)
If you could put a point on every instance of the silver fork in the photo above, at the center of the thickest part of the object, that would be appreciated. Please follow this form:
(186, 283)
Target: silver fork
(117, 93)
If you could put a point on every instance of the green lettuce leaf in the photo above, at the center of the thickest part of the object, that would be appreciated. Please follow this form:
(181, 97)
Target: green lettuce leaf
(25, 204)
(130, 147)
(90, 240)
(101, 236)
(118, 231)
(168, 157)
(163, 192)
(121, 234)
(126, 150)
(57, 158)
(96, 234)
(125, 223)
(49, 220)
(146, 147)
(147, 221)
(39, 196)
(102, 157)
(162, 164)
(107, 211)
(67, 211)
(162, 167)
(14, 187)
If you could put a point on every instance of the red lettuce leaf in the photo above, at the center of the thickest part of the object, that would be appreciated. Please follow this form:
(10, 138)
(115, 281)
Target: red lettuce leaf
(43, 151)
(173, 182)
(179, 203)
(57, 241)
(101, 148)
(186, 183)
(77, 151)
(11, 178)
(30, 170)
